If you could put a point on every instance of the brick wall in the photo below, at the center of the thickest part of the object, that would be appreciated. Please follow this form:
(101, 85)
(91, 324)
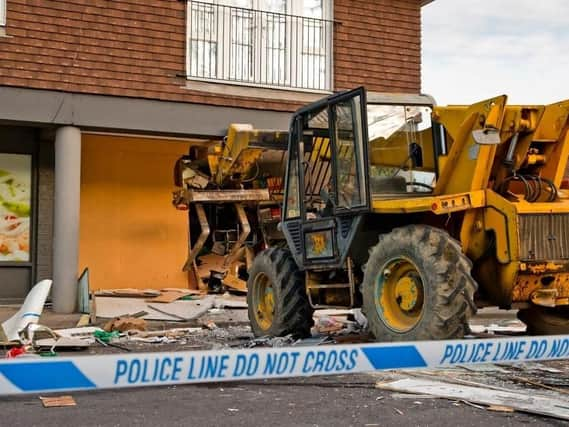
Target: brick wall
(46, 181)
(377, 44)
(137, 48)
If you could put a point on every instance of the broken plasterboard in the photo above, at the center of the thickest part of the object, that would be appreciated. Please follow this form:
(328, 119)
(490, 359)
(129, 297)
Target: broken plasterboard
(519, 400)
(30, 312)
(169, 296)
(109, 307)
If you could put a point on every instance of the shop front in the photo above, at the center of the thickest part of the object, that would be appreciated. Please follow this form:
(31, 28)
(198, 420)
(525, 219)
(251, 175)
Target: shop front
(18, 213)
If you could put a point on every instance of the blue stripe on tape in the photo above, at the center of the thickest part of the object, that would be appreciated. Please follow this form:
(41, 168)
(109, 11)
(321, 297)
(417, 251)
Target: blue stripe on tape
(30, 315)
(404, 356)
(39, 376)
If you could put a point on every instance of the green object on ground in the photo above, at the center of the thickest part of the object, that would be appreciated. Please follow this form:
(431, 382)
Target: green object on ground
(47, 354)
(188, 298)
(106, 337)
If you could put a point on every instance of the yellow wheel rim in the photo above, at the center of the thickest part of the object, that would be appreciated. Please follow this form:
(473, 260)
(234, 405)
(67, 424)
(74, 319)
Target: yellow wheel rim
(400, 295)
(263, 301)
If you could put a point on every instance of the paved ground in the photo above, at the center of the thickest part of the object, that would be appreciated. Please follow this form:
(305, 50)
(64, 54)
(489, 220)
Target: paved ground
(325, 401)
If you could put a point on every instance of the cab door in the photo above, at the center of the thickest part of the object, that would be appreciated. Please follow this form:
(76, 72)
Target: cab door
(327, 185)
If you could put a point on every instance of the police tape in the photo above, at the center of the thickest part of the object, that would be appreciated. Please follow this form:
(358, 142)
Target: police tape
(26, 375)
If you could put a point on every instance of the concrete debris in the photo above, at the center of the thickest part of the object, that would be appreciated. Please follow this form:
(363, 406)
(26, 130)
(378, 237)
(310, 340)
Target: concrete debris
(518, 400)
(211, 325)
(30, 312)
(285, 341)
(154, 340)
(170, 333)
(316, 340)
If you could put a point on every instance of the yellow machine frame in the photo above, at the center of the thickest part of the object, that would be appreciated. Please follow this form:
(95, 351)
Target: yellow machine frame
(467, 185)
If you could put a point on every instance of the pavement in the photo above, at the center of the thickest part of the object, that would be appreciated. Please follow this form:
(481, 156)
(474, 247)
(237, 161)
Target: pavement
(348, 400)
(322, 401)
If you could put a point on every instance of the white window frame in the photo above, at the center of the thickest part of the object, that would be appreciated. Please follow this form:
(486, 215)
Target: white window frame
(3, 13)
(295, 71)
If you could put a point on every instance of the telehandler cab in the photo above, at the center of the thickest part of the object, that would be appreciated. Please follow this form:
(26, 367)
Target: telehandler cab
(419, 214)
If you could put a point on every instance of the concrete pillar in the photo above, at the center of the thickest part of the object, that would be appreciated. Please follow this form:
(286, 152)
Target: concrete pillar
(66, 218)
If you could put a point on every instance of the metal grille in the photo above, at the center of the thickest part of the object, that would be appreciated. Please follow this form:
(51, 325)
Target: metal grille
(257, 47)
(294, 230)
(544, 237)
(345, 226)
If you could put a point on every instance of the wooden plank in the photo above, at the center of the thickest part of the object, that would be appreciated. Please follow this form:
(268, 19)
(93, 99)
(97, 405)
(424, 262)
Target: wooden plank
(58, 401)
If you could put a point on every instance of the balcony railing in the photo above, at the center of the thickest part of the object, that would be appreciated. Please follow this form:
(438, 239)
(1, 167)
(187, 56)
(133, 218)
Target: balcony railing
(259, 48)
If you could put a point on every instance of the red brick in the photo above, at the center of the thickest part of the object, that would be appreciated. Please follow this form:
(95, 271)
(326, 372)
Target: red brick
(137, 48)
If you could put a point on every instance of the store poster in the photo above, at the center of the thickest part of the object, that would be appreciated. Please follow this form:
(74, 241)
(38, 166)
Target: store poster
(15, 206)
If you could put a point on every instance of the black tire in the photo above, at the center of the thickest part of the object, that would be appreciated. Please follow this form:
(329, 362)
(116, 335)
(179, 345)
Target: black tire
(545, 320)
(441, 269)
(292, 313)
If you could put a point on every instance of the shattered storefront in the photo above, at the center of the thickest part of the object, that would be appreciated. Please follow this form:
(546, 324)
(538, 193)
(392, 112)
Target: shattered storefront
(95, 188)
(129, 235)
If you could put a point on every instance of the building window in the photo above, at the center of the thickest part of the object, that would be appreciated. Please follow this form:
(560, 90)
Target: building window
(2, 13)
(274, 43)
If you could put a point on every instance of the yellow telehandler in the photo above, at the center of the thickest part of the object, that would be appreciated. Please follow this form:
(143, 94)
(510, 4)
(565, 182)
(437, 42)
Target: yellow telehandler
(419, 214)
